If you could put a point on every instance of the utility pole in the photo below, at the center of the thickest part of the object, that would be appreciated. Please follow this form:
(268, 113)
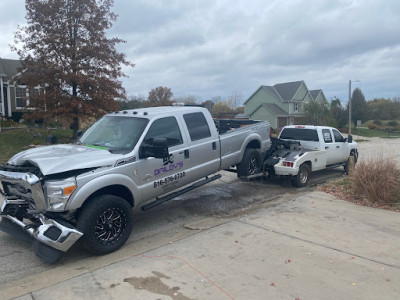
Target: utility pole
(350, 106)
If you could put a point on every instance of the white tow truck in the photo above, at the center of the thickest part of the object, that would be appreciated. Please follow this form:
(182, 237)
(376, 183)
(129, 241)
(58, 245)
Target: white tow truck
(302, 149)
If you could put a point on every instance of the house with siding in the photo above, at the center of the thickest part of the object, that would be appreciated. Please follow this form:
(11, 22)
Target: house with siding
(13, 97)
(281, 104)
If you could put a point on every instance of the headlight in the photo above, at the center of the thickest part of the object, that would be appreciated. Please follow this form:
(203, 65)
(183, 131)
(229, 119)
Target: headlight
(59, 191)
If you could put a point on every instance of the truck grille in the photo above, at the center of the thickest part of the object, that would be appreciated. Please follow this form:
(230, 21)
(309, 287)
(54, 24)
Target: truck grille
(16, 185)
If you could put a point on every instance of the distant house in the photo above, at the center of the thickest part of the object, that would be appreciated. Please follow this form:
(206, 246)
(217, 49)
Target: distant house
(281, 104)
(12, 96)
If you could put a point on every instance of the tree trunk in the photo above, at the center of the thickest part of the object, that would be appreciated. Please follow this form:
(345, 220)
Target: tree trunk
(75, 127)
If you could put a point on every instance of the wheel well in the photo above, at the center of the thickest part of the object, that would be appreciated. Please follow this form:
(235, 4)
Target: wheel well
(116, 190)
(254, 144)
(308, 163)
(354, 153)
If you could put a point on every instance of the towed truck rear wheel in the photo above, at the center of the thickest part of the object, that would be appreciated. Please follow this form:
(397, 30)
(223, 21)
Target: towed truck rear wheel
(250, 164)
(302, 177)
(106, 222)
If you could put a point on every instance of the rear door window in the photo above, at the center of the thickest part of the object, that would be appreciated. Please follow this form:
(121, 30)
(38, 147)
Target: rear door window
(326, 133)
(197, 126)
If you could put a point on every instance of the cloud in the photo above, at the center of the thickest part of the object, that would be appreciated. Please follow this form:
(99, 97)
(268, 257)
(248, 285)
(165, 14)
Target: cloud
(213, 48)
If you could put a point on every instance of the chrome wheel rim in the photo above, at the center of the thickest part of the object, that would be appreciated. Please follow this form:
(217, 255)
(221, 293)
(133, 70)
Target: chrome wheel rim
(303, 176)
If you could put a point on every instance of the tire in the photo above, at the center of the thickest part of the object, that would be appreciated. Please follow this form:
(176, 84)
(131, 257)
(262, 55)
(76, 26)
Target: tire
(302, 177)
(250, 164)
(106, 222)
(350, 164)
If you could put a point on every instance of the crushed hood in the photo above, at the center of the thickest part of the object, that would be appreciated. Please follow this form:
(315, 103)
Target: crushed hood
(63, 158)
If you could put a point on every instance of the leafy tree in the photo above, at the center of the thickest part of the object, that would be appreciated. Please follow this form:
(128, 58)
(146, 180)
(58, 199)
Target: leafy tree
(359, 108)
(160, 96)
(383, 109)
(339, 113)
(65, 52)
(317, 113)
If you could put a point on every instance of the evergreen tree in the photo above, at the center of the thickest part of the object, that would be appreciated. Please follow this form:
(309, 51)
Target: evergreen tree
(359, 108)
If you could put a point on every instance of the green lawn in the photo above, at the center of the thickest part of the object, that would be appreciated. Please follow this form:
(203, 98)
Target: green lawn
(16, 140)
(375, 133)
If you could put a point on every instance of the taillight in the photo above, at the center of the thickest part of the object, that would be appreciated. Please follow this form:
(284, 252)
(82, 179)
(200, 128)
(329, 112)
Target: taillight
(288, 164)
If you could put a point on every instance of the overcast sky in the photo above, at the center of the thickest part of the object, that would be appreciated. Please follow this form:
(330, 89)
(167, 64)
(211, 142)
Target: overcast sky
(211, 48)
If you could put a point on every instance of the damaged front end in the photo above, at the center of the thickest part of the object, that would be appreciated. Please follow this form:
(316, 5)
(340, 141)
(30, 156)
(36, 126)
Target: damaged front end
(25, 213)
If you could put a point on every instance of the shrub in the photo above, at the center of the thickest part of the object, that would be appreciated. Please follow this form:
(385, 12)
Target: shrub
(372, 126)
(8, 123)
(378, 122)
(392, 123)
(376, 181)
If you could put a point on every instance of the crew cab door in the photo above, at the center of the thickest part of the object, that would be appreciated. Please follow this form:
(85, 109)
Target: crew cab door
(158, 176)
(330, 146)
(204, 150)
(342, 147)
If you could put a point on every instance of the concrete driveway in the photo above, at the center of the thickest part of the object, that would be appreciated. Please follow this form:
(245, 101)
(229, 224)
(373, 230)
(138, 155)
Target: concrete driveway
(310, 246)
(231, 240)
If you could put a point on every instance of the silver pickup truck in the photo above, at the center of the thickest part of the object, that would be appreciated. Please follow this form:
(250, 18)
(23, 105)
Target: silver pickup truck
(56, 195)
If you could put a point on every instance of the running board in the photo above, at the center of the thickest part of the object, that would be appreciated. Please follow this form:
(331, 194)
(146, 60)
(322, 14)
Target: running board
(168, 197)
(335, 166)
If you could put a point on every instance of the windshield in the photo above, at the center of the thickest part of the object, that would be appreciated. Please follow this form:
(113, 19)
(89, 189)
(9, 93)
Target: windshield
(117, 134)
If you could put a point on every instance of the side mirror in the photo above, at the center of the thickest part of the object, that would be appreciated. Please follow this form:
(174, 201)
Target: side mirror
(158, 149)
(160, 146)
(350, 139)
(79, 133)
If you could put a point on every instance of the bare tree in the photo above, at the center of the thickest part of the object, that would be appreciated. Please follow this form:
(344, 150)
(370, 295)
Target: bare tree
(235, 99)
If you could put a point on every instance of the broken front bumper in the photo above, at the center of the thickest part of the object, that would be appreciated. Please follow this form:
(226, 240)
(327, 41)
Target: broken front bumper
(49, 237)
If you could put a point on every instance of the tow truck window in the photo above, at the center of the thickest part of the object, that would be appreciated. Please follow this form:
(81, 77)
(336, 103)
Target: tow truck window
(299, 134)
(197, 126)
(338, 137)
(326, 133)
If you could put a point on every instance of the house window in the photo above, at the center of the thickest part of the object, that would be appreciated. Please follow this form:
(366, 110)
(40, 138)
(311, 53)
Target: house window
(296, 107)
(20, 97)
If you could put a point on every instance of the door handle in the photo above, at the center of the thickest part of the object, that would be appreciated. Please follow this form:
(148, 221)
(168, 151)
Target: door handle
(326, 147)
(214, 145)
(186, 153)
(337, 146)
